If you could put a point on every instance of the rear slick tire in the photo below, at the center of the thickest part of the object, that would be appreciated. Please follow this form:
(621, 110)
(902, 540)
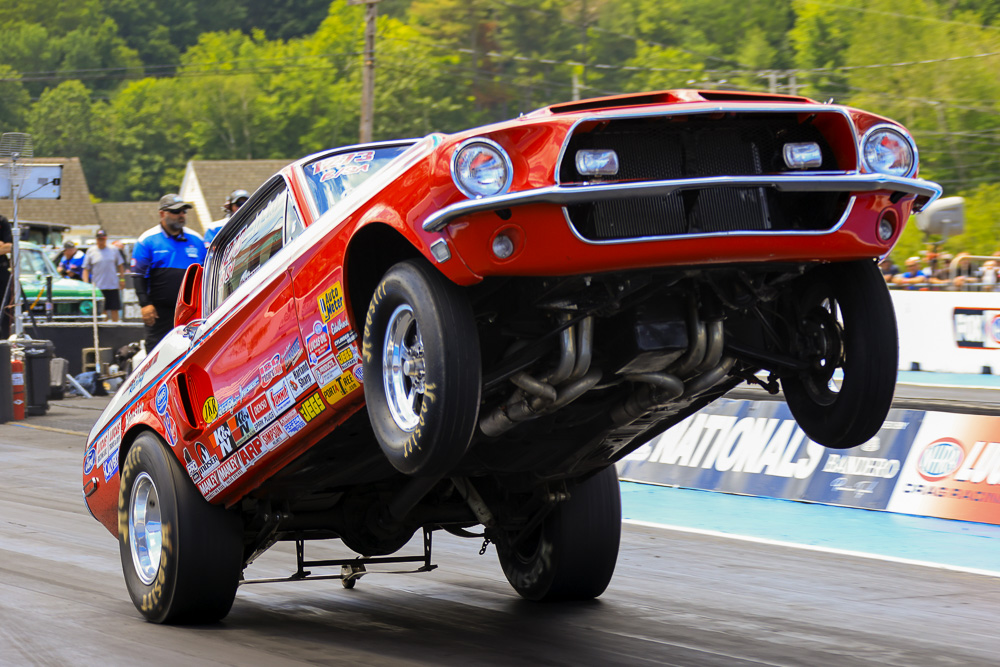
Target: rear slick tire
(572, 556)
(182, 556)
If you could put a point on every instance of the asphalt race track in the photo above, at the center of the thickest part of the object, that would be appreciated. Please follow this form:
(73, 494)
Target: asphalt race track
(677, 598)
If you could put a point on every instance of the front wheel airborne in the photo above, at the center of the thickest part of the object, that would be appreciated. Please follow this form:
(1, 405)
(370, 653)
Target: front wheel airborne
(846, 321)
(422, 369)
(181, 555)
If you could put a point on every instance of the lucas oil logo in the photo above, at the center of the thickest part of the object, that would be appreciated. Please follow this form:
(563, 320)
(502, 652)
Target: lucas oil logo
(331, 302)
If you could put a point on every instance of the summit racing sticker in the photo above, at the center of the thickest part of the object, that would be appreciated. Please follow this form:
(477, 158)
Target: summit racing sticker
(331, 302)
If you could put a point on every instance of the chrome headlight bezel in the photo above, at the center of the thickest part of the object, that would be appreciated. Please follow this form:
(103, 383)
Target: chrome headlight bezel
(906, 140)
(487, 146)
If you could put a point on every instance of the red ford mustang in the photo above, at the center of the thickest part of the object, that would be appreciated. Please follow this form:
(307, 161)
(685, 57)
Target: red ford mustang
(469, 330)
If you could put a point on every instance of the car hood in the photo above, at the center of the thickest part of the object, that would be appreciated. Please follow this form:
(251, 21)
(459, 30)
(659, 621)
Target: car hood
(62, 288)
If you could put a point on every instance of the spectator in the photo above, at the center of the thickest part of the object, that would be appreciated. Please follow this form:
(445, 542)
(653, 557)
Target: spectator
(71, 262)
(989, 275)
(889, 269)
(913, 274)
(103, 265)
(6, 245)
(159, 260)
(233, 202)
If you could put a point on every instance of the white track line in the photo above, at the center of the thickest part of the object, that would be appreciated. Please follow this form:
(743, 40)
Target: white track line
(810, 547)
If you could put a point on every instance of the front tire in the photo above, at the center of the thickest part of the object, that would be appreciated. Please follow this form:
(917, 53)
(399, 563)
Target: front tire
(181, 555)
(572, 556)
(422, 369)
(846, 321)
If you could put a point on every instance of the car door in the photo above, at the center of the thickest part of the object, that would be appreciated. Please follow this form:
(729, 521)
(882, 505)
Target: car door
(237, 373)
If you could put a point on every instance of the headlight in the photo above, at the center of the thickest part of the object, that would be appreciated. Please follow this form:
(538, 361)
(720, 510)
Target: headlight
(886, 150)
(480, 168)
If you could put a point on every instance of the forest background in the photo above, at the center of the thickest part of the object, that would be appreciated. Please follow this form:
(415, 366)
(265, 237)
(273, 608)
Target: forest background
(135, 88)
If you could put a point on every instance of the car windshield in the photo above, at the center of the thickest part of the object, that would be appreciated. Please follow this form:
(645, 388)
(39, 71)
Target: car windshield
(34, 261)
(333, 176)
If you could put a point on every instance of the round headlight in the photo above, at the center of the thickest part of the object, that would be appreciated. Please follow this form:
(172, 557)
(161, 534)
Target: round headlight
(888, 151)
(480, 168)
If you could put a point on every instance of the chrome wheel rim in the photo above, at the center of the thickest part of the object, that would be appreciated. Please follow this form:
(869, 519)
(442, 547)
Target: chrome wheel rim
(403, 368)
(145, 534)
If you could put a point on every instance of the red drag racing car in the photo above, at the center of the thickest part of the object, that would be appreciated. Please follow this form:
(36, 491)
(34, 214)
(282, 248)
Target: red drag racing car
(469, 330)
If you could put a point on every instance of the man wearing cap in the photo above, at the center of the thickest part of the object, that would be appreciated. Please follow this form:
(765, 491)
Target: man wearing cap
(103, 265)
(159, 260)
(71, 262)
(233, 202)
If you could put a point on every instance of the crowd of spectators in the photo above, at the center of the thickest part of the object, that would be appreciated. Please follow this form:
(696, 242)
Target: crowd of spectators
(944, 271)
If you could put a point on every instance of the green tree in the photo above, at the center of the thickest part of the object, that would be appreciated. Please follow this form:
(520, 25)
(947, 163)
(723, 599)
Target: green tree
(14, 101)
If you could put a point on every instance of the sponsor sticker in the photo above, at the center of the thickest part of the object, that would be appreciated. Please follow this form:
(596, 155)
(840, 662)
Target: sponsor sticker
(318, 343)
(292, 353)
(269, 370)
(347, 356)
(89, 461)
(328, 371)
(346, 339)
(359, 373)
(331, 302)
(250, 452)
(229, 470)
(292, 423)
(281, 397)
(223, 440)
(210, 410)
(339, 388)
(111, 466)
(273, 436)
(300, 379)
(311, 407)
(161, 399)
(260, 410)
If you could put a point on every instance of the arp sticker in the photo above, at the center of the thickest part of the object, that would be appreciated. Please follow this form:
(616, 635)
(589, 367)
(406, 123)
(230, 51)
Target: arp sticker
(210, 410)
(162, 397)
(250, 452)
(331, 302)
(311, 407)
(318, 343)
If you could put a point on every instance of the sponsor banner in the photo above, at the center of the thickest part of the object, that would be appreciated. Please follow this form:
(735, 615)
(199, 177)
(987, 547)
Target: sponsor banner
(953, 469)
(951, 332)
(756, 448)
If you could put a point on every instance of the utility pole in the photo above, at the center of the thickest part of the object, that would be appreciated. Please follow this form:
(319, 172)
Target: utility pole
(368, 69)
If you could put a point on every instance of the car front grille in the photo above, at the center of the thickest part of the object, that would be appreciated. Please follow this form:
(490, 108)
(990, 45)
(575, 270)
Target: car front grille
(698, 146)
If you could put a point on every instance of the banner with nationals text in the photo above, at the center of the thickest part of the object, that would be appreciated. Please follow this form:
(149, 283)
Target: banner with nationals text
(927, 463)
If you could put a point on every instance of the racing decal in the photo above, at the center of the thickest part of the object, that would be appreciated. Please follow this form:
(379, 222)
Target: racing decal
(260, 411)
(940, 459)
(359, 373)
(228, 405)
(108, 443)
(338, 326)
(318, 343)
(140, 374)
(250, 387)
(281, 397)
(90, 460)
(240, 428)
(977, 328)
(273, 436)
(250, 452)
(191, 466)
(348, 337)
(340, 387)
(331, 302)
(292, 423)
(311, 407)
(343, 165)
(168, 429)
(210, 410)
(221, 477)
(208, 461)
(300, 379)
(111, 466)
(269, 370)
(347, 357)
(328, 371)
(161, 399)
(223, 440)
(291, 354)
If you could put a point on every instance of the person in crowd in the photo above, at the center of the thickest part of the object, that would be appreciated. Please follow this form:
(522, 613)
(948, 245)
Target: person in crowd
(232, 204)
(912, 274)
(103, 265)
(160, 258)
(71, 262)
(889, 269)
(6, 298)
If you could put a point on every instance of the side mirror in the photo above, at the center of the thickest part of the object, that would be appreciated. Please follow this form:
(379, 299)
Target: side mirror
(189, 298)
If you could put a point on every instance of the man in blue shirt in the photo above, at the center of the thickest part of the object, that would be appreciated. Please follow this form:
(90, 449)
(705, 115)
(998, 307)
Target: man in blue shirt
(159, 260)
(71, 262)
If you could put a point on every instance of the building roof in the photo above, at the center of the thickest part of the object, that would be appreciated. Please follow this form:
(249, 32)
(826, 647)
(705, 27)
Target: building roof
(73, 207)
(126, 219)
(207, 183)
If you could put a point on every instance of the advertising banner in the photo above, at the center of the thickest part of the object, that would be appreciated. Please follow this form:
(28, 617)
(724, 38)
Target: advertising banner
(756, 448)
(953, 469)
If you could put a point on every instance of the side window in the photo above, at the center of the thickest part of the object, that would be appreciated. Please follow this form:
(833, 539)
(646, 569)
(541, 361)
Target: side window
(293, 222)
(256, 240)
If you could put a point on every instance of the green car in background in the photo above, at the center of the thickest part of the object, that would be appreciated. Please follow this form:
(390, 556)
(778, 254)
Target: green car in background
(71, 299)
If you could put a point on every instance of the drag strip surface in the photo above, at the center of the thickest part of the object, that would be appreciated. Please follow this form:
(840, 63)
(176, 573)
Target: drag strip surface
(676, 599)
